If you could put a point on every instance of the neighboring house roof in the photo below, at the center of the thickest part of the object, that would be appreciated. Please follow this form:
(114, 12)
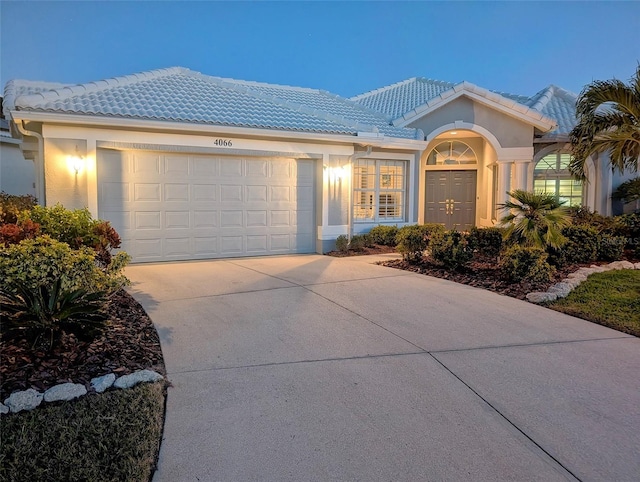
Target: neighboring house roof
(411, 97)
(181, 95)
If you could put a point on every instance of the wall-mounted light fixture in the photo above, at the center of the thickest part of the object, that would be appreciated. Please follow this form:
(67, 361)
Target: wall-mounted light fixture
(337, 173)
(75, 162)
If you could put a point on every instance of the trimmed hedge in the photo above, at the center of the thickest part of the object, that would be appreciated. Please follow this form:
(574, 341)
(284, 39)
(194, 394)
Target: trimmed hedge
(523, 263)
(413, 240)
(451, 249)
(383, 235)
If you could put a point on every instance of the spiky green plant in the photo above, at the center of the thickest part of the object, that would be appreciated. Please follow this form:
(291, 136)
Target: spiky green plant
(535, 219)
(41, 315)
(608, 113)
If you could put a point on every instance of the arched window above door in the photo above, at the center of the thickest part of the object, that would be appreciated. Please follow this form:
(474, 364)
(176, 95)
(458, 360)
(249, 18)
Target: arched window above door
(551, 175)
(451, 153)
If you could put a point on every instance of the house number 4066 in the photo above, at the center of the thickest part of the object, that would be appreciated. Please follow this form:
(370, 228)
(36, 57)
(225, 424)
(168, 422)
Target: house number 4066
(223, 143)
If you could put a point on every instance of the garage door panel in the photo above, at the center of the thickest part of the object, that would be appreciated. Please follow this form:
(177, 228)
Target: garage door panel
(176, 192)
(231, 219)
(205, 246)
(177, 220)
(205, 192)
(256, 193)
(280, 194)
(280, 218)
(204, 167)
(230, 193)
(172, 206)
(231, 244)
(205, 219)
(280, 169)
(145, 164)
(231, 167)
(146, 192)
(145, 220)
(178, 166)
(147, 249)
(115, 193)
(257, 244)
(256, 218)
(280, 242)
(257, 168)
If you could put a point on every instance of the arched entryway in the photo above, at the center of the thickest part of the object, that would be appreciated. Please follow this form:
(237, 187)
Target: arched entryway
(450, 184)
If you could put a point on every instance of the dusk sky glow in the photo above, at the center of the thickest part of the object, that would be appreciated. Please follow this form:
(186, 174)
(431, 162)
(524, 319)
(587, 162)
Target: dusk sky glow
(346, 48)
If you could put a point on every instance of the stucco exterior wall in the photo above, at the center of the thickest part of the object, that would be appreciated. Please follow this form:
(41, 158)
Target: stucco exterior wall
(62, 184)
(510, 132)
(17, 174)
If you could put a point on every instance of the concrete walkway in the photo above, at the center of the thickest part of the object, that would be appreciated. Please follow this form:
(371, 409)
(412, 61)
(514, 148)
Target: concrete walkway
(316, 368)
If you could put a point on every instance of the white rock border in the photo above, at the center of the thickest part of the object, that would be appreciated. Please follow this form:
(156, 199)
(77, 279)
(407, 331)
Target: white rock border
(30, 399)
(573, 280)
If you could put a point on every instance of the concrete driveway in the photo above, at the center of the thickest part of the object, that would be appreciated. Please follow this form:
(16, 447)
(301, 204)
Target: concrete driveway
(317, 368)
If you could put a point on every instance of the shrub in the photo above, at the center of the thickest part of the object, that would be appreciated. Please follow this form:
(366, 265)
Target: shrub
(42, 261)
(411, 243)
(43, 314)
(74, 227)
(582, 215)
(487, 240)
(11, 206)
(14, 233)
(358, 242)
(581, 246)
(342, 243)
(525, 263)
(450, 249)
(631, 228)
(610, 248)
(384, 235)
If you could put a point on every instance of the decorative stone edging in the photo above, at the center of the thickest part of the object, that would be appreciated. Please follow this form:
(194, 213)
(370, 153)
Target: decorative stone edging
(30, 399)
(572, 281)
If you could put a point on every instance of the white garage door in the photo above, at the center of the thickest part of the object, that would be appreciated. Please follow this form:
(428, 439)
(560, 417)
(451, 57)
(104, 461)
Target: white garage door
(174, 206)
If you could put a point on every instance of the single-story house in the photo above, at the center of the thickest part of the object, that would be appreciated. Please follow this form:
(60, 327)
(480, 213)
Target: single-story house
(190, 166)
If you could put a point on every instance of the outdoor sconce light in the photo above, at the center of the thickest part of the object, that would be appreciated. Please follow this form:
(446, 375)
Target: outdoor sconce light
(76, 162)
(337, 173)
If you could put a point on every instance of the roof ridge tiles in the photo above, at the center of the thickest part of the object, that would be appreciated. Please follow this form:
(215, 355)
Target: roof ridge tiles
(383, 89)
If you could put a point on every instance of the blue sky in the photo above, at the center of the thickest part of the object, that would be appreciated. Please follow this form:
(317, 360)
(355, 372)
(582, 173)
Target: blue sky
(344, 47)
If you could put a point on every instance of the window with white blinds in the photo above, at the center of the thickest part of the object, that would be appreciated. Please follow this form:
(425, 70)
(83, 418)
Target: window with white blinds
(379, 190)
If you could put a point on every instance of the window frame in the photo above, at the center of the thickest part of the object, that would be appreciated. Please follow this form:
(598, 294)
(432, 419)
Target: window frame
(386, 200)
(555, 176)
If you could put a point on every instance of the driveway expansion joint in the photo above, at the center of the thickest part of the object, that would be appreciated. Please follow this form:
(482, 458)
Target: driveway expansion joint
(507, 419)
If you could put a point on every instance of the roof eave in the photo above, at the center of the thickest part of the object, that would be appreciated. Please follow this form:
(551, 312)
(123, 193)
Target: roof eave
(184, 127)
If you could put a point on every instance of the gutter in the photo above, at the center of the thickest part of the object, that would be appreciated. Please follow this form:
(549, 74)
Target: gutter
(185, 127)
(38, 160)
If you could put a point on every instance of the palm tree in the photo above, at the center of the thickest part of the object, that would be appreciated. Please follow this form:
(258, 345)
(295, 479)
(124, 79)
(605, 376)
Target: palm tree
(535, 219)
(608, 113)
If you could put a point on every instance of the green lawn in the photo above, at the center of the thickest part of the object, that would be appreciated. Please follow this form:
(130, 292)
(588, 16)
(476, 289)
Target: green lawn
(107, 437)
(611, 299)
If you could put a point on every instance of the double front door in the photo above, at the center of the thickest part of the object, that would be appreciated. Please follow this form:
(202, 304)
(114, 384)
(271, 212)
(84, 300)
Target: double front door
(450, 198)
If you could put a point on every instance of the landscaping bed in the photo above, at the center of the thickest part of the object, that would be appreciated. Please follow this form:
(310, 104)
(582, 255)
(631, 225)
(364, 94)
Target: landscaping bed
(483, 274)
(129, 343)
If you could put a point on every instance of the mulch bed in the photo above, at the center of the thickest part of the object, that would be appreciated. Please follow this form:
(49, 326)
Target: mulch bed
(129, 343)
(481, 274)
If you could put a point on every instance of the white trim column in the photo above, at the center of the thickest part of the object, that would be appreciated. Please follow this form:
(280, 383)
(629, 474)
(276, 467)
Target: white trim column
(520, 175)
(504, 181)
